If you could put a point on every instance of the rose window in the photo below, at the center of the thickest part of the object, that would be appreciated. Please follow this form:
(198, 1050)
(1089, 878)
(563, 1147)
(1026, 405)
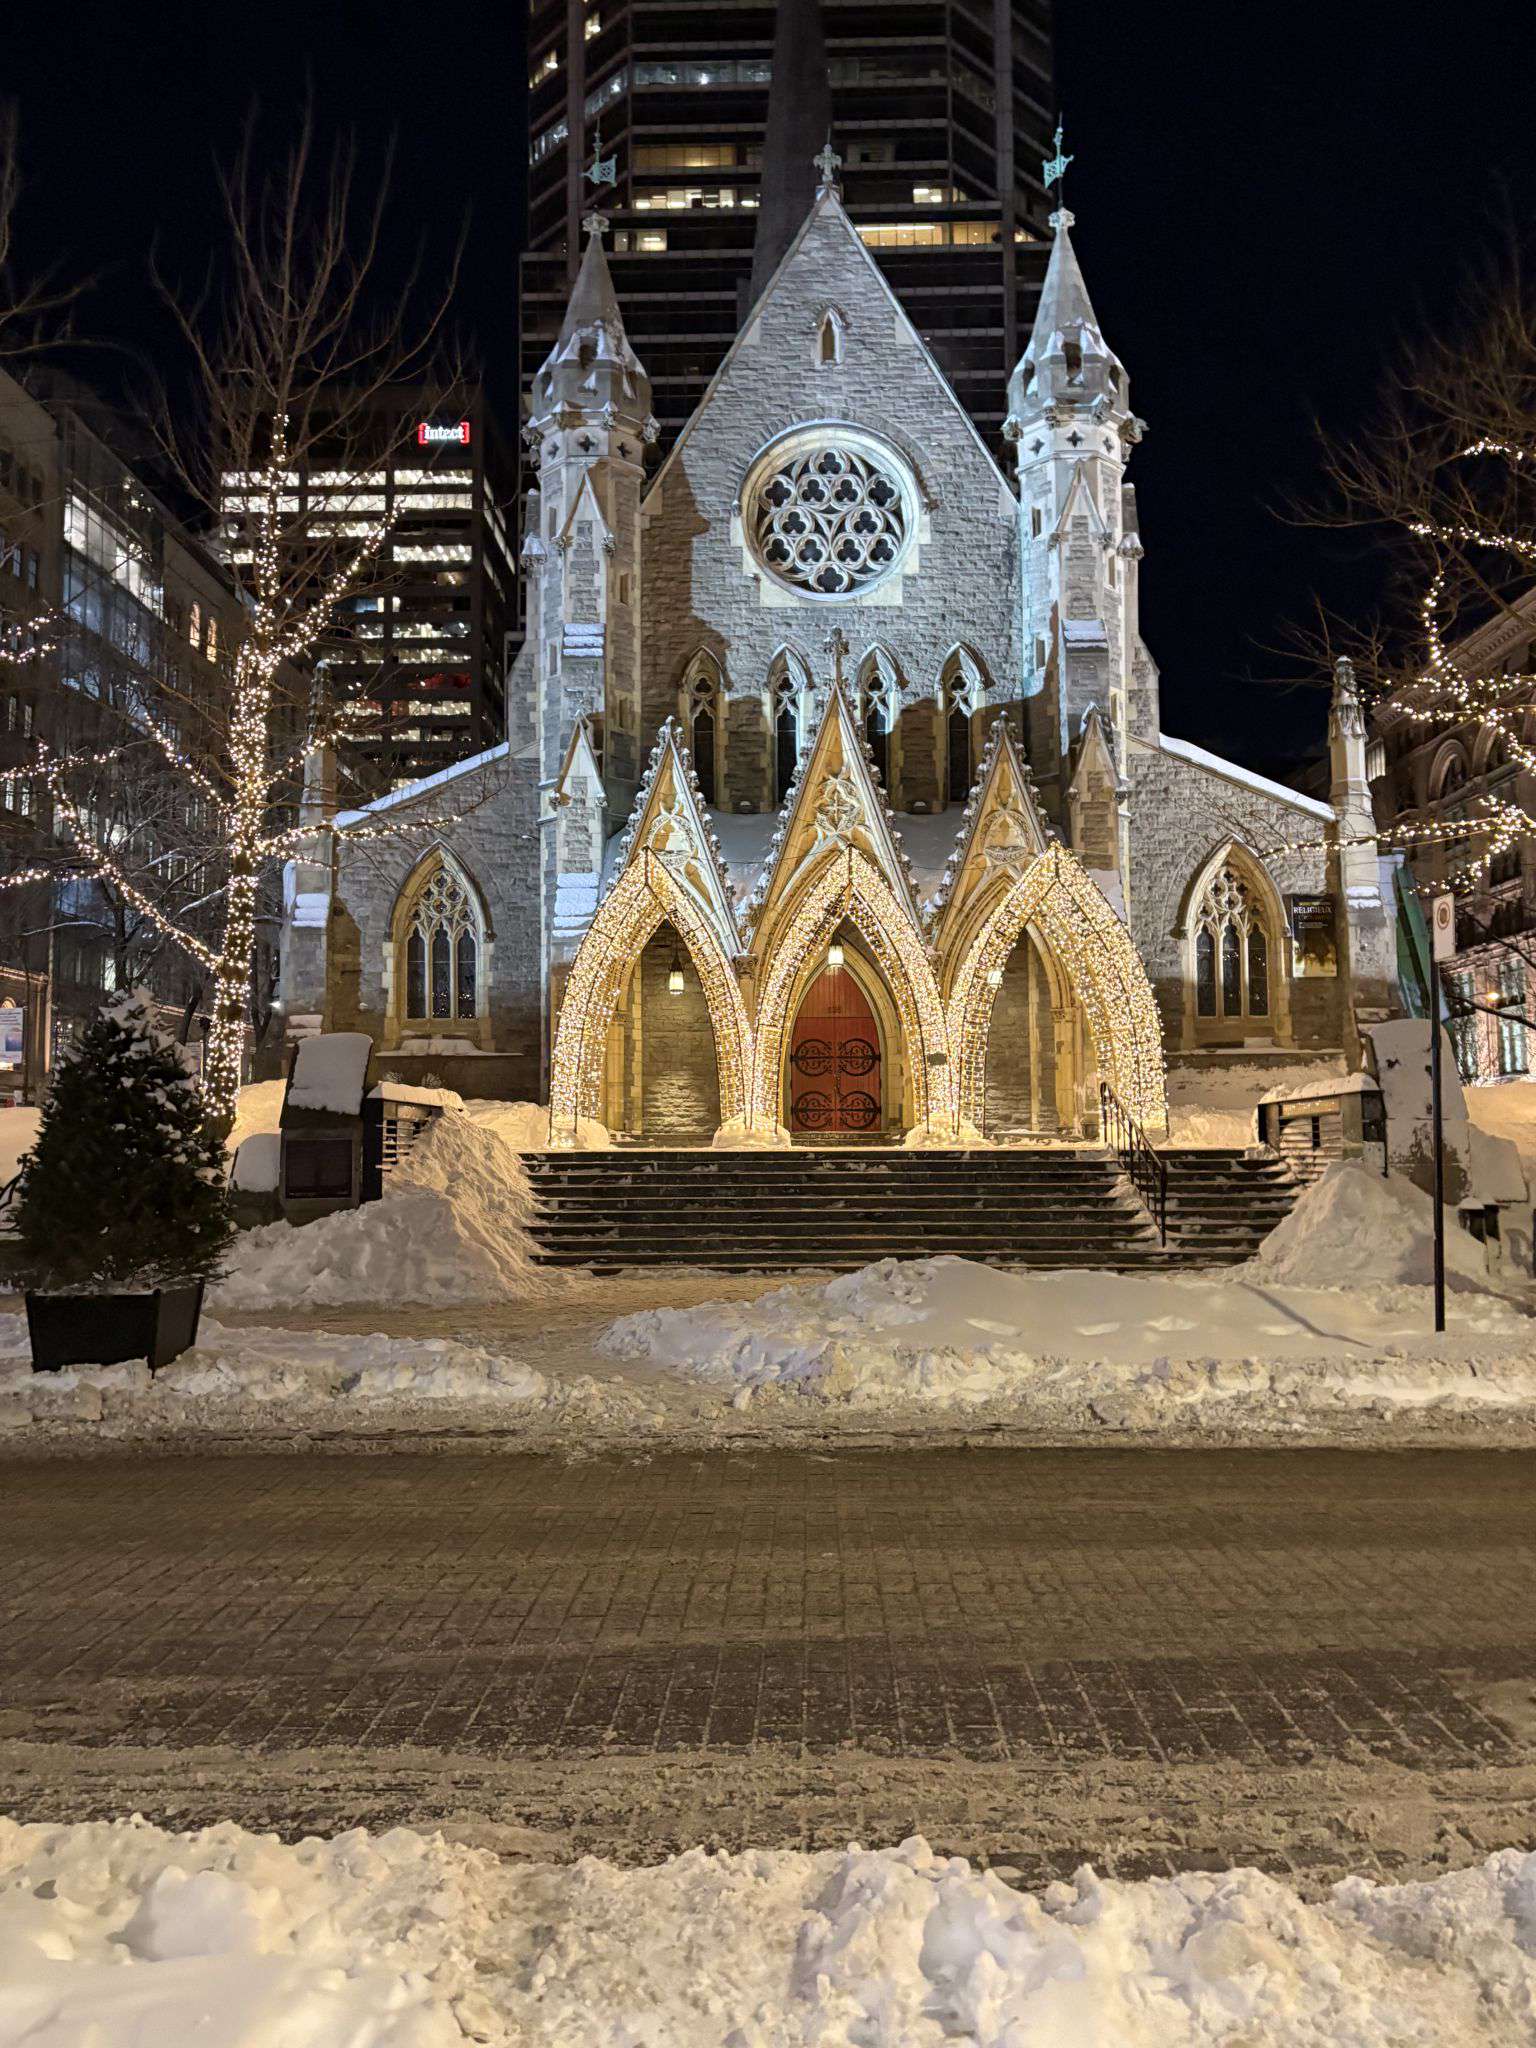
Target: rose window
(829, 521)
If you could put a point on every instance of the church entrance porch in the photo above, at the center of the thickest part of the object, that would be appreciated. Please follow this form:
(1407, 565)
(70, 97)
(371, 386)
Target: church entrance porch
(835, 1064)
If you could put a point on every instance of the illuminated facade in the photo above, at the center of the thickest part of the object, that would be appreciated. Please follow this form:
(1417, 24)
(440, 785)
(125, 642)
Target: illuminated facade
(835, 804)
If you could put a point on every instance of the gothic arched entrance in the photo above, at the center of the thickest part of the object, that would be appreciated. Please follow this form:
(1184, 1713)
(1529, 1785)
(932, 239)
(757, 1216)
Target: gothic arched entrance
(835, 1078)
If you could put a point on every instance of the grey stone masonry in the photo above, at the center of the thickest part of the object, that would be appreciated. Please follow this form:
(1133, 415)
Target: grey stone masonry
(702, 592)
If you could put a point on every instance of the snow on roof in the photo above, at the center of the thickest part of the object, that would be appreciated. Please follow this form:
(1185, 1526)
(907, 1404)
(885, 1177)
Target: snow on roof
(1324, 1086)
(328, 1073)
(1186, 750)
(746, 842)
(413, 790)
(428, 1098)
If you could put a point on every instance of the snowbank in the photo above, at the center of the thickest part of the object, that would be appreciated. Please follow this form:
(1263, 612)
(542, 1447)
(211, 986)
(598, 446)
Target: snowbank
(525, 1126)
(299, 1382)
(120, 1934)
(1357, 1228)
(946, 1333)
(259, 1108)
(1217, 1105)
(1507, 1110)
(451, 1227)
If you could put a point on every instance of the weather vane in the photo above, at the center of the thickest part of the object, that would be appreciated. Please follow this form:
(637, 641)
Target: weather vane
(1055, 167)
(603, 170)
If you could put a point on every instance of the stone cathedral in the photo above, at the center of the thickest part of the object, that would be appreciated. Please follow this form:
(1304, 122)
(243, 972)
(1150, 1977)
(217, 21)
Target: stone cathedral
(835, 804)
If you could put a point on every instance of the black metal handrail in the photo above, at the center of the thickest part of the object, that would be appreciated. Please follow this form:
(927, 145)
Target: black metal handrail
(1143, 1166)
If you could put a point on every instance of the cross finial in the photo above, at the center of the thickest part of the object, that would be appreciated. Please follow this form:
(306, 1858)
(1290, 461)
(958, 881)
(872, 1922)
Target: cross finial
(828, 163)
(595, 223)
(1054, 172)
(837, 647)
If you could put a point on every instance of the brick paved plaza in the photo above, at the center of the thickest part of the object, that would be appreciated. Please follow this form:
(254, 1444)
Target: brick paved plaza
(1036, 1611)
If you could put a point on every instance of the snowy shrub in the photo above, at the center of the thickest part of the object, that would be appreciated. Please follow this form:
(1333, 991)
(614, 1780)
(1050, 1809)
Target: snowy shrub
(125, 1185)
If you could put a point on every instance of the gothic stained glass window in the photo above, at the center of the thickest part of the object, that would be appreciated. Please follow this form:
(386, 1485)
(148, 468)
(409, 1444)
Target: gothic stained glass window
(416, 976)
(879, 742)
(1205, 973)
(464, 971)
(1231, 972)
(1232, 950)
(703, 714)
(442, 951)
(1258, 972)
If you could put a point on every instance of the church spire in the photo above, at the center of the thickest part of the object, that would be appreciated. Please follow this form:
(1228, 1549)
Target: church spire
(799, 124)
(592, 366)
(1067, 360)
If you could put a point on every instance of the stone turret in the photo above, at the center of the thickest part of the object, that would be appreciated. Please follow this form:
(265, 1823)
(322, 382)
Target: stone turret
(1365, 917)
(589, 422)
(1072, 427)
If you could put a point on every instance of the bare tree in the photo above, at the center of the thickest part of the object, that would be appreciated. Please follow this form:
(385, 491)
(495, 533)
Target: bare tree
(1445, 480)
(294, 341)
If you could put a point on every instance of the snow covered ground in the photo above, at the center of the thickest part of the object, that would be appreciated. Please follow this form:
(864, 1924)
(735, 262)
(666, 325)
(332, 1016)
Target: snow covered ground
(118, 1935)
(1328, 1332)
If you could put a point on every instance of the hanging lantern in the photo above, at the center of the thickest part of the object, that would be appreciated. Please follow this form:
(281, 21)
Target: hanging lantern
(675, 975)
(994, 977)
(834, 954)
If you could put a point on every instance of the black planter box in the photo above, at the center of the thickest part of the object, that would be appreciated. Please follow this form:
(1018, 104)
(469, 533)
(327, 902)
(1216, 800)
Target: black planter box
(107, 1329)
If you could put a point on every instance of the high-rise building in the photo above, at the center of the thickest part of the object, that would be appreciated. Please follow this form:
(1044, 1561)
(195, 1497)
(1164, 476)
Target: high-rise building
(941, 113)
(428, 641)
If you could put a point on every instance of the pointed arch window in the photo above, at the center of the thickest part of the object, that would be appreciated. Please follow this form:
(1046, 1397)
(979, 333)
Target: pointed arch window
(786, 731)
(880, 704)
(443, 943)
(829, 339)
(1232, 949)
(962, 691)
(702, 712)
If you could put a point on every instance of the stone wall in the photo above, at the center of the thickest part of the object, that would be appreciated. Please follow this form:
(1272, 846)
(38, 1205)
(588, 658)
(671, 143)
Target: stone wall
(495, 843)
(679, 1077)
(698, 591)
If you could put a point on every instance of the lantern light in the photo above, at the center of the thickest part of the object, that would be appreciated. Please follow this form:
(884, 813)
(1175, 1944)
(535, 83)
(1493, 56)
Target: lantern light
(834, 954)
(675, 977)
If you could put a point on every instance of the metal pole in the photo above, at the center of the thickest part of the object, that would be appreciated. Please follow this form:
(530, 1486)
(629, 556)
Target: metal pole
(1436, 1099)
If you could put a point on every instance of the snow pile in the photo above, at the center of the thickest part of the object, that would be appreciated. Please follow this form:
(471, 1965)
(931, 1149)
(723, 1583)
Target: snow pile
(270, 1382)
(1507, 1110)
(118, 1934)
(1136, 1349)
(451, 1227)
(1355, 1228)
(258, 1163)
(1217, 1105)
(525, 1126)
(258, 1108)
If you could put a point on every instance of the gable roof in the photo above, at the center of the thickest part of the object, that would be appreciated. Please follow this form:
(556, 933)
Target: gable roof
(1004, 829)
(670, 823)
(828, 208)
(835, 799)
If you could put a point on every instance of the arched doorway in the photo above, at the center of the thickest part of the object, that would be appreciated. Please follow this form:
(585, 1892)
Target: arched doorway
(835, 1081)
(1020, 1082)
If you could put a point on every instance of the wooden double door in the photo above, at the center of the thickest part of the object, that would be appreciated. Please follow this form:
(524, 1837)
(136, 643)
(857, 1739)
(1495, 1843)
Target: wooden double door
(834, 1061)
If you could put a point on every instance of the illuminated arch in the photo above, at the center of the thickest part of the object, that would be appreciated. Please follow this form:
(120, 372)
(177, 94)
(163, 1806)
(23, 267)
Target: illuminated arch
(1059, 900)
(849, 886)
(646, 895)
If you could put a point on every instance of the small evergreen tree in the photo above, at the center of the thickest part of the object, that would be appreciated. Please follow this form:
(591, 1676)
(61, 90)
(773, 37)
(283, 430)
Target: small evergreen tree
(125, 1186)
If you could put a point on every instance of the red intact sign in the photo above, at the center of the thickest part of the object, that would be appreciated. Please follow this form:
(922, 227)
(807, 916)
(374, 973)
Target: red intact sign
(438, 433)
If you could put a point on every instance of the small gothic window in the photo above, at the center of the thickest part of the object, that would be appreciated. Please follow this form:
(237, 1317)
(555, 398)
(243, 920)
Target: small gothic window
(1452, 777)
(829, 341)
(1232, 950)
(1073, 352)
(786, 738)
(442, 952)
(1036, 522)
(878, 739)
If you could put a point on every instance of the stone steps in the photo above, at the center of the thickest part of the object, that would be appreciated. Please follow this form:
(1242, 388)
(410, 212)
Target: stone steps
(836, 1209)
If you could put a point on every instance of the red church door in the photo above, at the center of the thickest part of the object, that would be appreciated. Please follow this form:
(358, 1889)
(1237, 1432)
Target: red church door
(834, 1060)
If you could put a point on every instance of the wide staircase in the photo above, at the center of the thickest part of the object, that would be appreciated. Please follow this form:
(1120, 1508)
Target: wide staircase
(781, 1211)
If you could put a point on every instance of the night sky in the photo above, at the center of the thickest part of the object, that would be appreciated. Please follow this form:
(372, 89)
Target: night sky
(1268, 199)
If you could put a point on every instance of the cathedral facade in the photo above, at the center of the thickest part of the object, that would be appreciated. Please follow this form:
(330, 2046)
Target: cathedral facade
(835, 803)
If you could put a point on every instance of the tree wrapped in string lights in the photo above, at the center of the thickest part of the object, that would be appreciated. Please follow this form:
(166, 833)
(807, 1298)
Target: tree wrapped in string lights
(293, 347)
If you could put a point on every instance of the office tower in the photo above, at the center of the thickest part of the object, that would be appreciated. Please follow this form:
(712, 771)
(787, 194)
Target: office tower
(941, 114)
